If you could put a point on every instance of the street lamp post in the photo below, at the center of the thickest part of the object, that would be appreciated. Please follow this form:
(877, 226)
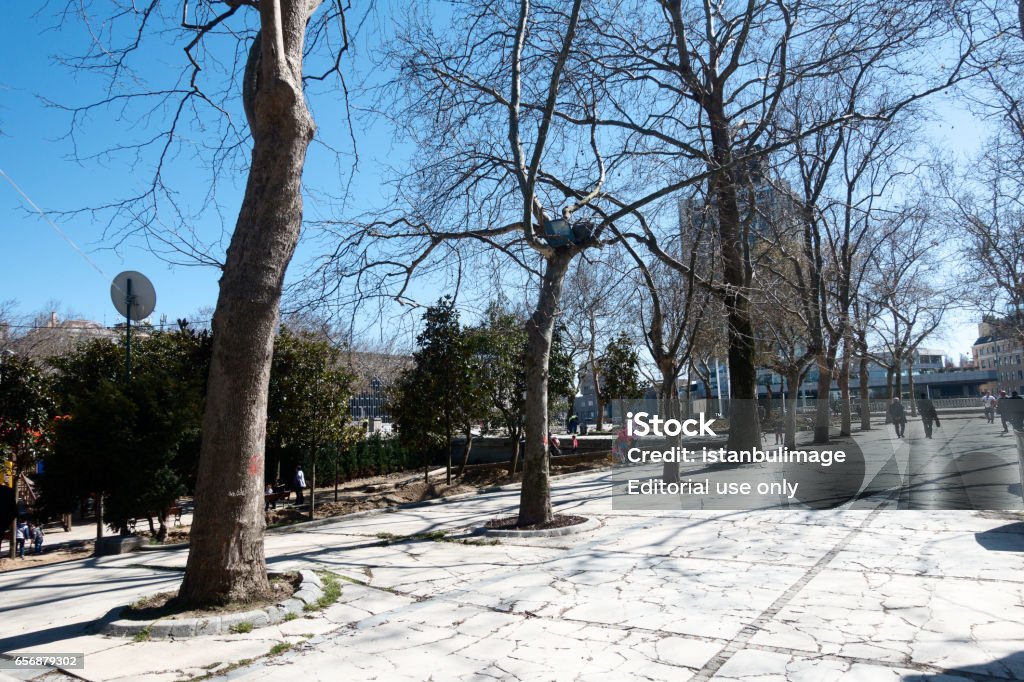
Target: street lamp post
(8, 353)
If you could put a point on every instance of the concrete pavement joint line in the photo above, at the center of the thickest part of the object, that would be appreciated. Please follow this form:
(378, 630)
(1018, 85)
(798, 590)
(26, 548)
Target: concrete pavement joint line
(908, 665)
(418, 598)
(310, 591)
(740, 642)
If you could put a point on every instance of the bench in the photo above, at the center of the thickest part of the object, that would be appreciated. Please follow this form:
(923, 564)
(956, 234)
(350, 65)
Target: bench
(271, 499)
(171, 512)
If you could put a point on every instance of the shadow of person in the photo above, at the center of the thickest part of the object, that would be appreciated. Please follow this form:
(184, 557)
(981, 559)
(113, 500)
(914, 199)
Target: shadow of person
(1008, 538)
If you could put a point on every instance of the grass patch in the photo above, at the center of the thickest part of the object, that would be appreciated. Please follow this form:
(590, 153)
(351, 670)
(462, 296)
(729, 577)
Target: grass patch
(279, 648)
(142, 635)
(241, 628)
(474, 541)
(332, 592)
(392, 539)
(290, 616)
(430, 536)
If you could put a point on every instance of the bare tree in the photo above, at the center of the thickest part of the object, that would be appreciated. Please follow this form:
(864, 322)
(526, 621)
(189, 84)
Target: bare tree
(705, 84)
(590, 317)
(263, 47)
(671, 313)
(480, 105)
(911, 303)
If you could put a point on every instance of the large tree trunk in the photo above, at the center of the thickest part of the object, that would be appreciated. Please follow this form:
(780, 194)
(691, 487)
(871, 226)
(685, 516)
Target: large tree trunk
(845, 425)
(226, 557)
(793, 386)
(823, 411)
(466, 451)
(744, 427)
(670, 409)
(515, 453)
(910, 385)
(888, 393)
(898, 377)
(865, 389)
(448, 465)
(535, 496)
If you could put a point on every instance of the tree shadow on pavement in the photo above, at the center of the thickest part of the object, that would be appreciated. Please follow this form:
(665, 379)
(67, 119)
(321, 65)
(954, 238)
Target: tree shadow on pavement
(1007, 668)
(60, 633)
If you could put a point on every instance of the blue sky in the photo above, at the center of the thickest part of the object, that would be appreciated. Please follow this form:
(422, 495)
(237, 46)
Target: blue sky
(38, 267)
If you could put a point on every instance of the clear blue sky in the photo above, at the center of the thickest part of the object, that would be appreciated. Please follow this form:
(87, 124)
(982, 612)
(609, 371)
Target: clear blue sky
(38, 267)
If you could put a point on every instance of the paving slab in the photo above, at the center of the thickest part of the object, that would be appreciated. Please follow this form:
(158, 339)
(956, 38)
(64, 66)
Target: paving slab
(788, 595)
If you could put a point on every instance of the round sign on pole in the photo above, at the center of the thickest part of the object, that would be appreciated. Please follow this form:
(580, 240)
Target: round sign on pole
(136, 287)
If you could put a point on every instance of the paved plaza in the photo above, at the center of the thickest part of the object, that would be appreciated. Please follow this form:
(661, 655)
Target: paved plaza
(879, 590)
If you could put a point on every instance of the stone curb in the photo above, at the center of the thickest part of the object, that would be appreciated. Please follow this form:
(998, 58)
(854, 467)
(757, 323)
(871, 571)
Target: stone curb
(589, 524)
(163, 548)
(310, 590)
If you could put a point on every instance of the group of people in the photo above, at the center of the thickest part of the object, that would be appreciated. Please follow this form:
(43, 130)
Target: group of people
(1010, 414)
(298, 486)
(555, 445)
(925, 408)
(25, 533)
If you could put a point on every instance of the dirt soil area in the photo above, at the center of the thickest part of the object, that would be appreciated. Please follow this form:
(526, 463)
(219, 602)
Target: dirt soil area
(51, 555)
(358, 495)
(165, 604)
(406, 487)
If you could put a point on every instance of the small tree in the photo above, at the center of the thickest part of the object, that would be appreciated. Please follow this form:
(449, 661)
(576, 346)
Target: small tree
(307, 408)
(135, 444)
(442, 391)
(500, 344)
(620, 369)
(26, 409)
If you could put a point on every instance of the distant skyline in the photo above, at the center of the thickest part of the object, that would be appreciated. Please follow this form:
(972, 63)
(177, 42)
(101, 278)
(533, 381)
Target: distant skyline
(39, 268)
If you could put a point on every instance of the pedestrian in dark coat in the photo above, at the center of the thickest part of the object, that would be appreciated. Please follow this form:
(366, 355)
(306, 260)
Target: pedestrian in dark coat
(928, 414)
(898, 417)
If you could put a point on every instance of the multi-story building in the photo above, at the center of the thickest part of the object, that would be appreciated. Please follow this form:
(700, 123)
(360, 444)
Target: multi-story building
(51, 336)
(375, 373)
(1000, 348)
(930, 371)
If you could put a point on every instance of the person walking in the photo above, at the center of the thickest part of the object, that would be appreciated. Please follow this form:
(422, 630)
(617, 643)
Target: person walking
(1000, 411)
(553, 444)
(989, 401)
(1013, 408)
(898, 417)
(929, 416)
(575, 444)
(299, 485)
(36, 531)
(20, 536)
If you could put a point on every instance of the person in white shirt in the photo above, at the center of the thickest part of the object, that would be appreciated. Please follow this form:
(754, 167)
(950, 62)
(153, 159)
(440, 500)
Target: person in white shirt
(300, 483)
(989, 401)
(20, 536)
